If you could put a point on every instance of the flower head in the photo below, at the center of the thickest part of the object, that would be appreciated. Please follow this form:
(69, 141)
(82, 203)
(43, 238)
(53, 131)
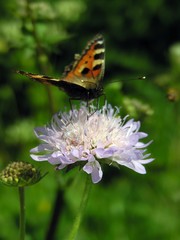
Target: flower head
(90, 139)
(20, 174)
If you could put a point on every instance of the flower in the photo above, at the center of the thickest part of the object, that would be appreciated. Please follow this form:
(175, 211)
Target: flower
(20, 174)
(89, 138)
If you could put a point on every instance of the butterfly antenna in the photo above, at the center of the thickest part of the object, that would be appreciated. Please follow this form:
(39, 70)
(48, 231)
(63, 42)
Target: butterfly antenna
(142, 77)
(136, 78)
(128, 79)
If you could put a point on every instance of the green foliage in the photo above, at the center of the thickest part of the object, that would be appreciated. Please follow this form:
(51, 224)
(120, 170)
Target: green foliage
(142, 38)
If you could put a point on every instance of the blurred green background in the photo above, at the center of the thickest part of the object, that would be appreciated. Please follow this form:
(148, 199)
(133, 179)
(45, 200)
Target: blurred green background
(142, 38)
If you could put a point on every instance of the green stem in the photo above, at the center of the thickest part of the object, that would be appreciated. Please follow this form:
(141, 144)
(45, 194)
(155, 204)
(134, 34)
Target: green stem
(58, 206)
(22, 213)
(40, 51)
(79, 215)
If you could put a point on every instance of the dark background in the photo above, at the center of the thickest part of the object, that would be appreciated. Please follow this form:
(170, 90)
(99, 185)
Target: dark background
(142, 38)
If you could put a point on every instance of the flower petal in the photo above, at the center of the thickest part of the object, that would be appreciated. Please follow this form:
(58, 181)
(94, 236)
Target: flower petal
(94, 168)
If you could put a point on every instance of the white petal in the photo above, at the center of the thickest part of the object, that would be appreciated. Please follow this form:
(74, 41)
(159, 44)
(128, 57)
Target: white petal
(94, 168)
(39, 158)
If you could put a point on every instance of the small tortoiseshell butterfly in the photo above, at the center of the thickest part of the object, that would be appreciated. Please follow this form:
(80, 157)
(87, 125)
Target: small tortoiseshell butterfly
(81, 80)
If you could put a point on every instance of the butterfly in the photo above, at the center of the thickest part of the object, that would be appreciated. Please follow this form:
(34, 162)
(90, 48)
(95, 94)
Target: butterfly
(82, 79)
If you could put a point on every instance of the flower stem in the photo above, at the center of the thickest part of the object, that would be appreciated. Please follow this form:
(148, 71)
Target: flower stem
(40, 53)
(79, 215)
(57, 210)
(22, 213)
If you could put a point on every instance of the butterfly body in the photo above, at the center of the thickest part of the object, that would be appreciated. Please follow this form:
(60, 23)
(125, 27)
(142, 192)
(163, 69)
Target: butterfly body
(82, 79)
(78, 92)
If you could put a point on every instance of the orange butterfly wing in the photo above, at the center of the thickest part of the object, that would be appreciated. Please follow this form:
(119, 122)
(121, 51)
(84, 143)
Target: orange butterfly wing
(88, 70)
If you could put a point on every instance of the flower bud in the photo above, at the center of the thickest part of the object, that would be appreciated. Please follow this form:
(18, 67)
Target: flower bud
(20, 174)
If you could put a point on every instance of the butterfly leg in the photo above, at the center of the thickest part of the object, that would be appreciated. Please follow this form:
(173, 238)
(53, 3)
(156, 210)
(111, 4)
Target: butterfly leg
(71, 107)
(104, 98)
(70, 103)
(98, 101)
(88, 107)
(87, 104)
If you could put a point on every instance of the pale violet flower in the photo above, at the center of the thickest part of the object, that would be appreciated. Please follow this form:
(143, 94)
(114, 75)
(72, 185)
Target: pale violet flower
(90, 138)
